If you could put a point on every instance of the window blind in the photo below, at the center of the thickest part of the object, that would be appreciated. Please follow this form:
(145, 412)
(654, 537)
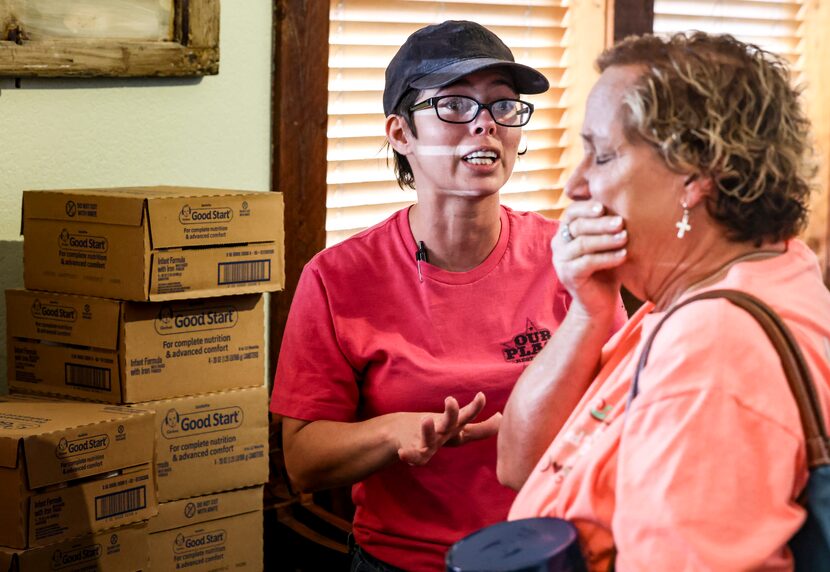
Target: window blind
(773, 25)
(363, 37)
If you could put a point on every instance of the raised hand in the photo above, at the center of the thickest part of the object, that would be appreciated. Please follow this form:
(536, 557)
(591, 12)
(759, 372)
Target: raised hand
(585, 254)
(422, 434)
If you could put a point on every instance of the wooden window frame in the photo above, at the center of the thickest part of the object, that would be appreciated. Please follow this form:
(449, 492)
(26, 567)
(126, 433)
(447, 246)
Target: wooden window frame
(299, 118)
(194, 50)
(630, 17)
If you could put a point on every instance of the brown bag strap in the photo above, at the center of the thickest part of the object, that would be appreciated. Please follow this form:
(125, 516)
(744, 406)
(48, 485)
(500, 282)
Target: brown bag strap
(795, 368)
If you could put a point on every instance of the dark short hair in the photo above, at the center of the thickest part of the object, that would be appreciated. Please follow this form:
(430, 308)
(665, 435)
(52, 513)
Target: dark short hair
(403, 170)
(715, 106)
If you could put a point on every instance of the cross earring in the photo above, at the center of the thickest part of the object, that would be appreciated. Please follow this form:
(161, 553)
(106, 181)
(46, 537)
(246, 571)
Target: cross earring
(683, 225)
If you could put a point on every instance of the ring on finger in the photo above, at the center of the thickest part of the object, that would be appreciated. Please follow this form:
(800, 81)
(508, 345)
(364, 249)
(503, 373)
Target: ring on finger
(565, 233)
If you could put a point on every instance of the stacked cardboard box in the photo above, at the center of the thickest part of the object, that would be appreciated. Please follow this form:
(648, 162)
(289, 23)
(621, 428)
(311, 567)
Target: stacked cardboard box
(156, 243)
(68, 473)
(223, 528)
(152, 297)
(128, 352)
(117, 550)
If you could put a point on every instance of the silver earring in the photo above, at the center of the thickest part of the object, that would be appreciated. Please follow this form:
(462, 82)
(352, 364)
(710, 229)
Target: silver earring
(683, 225)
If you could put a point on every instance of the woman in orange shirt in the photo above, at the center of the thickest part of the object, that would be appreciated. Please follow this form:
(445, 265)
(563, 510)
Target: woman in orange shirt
(698, 145)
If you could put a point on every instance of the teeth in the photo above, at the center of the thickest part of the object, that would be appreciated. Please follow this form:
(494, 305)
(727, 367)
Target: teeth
(481, 157)
(476, 154)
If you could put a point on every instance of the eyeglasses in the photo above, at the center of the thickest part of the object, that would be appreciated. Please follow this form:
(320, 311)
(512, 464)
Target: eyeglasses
(463, 109)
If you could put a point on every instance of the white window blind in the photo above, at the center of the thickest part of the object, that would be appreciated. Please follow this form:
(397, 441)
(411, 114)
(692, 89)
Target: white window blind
(773, 25)
(365, 34)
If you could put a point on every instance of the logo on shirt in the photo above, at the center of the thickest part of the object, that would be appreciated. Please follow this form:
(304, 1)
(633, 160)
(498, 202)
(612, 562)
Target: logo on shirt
(525, 345)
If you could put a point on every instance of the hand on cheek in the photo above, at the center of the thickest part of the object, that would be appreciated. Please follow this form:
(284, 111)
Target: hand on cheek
(590, 243)
(592, 232)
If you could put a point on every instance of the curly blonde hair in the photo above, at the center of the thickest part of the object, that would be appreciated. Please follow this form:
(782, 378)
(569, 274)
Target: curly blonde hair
(717, 107)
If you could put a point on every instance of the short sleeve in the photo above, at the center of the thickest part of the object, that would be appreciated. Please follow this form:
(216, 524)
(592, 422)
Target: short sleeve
(314, 379)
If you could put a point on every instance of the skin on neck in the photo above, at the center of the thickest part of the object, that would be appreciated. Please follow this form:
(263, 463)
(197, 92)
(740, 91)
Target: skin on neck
(703, 256)
(459, 232)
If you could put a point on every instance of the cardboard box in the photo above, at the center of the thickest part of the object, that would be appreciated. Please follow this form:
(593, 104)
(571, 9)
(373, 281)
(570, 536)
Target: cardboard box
(117, 550)
(153, 243)
(222, 531)
(71, 468)
(125, 352)
(210, 443)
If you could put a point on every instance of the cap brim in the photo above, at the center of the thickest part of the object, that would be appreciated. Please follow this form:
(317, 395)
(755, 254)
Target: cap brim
(526, 79)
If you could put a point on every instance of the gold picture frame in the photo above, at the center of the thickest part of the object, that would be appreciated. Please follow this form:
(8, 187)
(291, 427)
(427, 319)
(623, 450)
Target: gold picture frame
(191, 48)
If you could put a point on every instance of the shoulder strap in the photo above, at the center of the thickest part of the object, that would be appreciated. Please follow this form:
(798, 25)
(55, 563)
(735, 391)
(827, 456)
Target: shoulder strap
(795, 368)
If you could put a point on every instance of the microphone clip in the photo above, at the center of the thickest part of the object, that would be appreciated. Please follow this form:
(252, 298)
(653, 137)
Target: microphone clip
(421, 255)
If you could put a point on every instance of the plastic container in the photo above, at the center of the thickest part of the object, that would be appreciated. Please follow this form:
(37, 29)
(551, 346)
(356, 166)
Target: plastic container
(526, 545)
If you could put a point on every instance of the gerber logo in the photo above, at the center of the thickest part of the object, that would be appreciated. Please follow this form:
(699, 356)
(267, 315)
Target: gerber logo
(199, 541)
(82, 242)
(176, 425)
(71, 208)
(175, 320)
(525, 345)
(83, 555)
(54, 311)
(81, 446)
(189, 215)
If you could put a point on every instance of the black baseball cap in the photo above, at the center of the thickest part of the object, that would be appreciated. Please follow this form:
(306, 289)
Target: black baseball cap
(440, 54)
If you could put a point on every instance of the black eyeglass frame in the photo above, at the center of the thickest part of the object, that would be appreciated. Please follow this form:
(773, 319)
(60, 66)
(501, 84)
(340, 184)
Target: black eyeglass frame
(433, 103)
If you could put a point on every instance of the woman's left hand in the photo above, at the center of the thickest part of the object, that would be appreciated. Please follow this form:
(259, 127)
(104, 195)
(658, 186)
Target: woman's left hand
(453, 427)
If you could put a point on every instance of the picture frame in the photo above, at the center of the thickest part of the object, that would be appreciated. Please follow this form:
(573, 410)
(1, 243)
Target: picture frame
(191, 47)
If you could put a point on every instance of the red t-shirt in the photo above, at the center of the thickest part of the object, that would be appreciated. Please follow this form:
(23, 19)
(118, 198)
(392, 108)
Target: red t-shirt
(366, 337)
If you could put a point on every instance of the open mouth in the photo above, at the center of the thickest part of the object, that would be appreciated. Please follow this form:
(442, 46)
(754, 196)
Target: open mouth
(481, 157)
